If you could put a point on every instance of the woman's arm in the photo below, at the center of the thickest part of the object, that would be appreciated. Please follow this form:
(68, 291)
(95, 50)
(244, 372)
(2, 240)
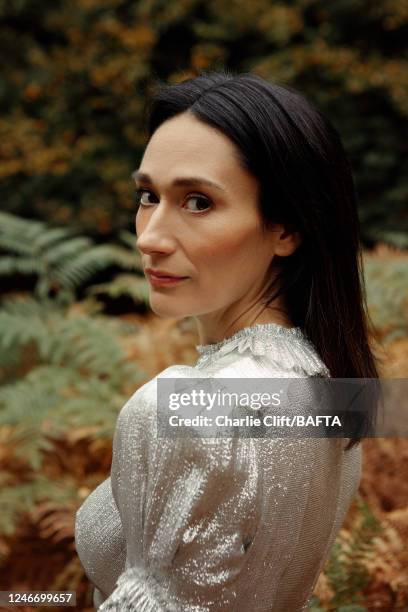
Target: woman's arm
(200, 512)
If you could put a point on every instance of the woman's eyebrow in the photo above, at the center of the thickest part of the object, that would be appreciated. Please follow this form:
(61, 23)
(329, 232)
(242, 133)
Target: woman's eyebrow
(188, 181)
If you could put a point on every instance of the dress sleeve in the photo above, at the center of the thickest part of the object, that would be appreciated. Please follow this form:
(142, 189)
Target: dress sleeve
(190, 510)
(99, 539)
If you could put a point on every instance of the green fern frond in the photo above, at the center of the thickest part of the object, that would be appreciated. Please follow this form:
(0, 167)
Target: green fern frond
(17, 501)
(63, 367)
(19, 265)
(88, 343)
(65, 399)
(61, 260)
(14, 502)
(17, 234)
(23, 321)
(10, 358)
(85, 410)
(123, 285)
(345, 569)
(58, 255)
(81, 268)
(93, 260)
(48, 238)
(128, 259)
(76, 357)
(16, 245)
(81, 341)
(27, 400)
(31, 443)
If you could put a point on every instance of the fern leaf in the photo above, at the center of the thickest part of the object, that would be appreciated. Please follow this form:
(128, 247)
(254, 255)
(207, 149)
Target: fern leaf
(79, 269)
(51, 236)
(19, 265)
(17, 234)
(62, 253)
(124, 284)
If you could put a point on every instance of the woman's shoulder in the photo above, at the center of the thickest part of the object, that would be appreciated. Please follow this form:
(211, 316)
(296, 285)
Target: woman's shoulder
(142, 404)
(142, 426)
(243, 360)
(252, 356)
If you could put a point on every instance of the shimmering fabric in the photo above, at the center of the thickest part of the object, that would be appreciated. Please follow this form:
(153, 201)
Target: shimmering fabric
(226, 524)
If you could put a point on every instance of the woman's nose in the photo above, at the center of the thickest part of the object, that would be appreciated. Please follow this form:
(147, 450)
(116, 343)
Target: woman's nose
(155, 235)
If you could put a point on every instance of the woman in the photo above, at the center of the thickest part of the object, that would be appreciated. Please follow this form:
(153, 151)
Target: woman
(242, 524)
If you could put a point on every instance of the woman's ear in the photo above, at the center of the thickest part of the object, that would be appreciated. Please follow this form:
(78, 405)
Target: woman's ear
(287, 240)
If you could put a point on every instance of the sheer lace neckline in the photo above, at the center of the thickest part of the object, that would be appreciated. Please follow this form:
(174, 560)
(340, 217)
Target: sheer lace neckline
(273, 329)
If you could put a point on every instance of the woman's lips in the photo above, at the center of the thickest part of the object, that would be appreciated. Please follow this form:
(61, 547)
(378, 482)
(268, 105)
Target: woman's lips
(164, 281)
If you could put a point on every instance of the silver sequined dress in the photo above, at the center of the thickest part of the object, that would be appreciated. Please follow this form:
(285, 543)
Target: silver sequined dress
(238, 524)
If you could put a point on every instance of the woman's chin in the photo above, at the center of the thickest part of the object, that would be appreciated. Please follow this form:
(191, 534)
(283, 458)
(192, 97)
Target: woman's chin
(165, 311)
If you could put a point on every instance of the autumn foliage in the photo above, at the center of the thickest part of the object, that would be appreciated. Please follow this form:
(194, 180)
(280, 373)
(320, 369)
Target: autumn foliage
(76, 76)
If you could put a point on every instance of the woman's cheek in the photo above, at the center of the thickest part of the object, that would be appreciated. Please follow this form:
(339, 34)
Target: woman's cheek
(220, 253)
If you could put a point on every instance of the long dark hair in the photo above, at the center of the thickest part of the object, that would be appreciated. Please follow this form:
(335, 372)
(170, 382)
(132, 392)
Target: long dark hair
(306, 184)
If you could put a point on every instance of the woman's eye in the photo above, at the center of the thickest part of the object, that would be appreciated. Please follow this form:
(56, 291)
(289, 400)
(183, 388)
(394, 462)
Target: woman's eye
(201, 201)
(145, 197)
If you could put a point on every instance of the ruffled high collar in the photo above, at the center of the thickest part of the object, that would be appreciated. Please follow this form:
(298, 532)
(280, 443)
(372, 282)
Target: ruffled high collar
(288, 346)
(247, 336)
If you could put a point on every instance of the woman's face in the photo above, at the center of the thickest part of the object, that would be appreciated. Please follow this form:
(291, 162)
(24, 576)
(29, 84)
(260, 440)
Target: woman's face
(199, 219)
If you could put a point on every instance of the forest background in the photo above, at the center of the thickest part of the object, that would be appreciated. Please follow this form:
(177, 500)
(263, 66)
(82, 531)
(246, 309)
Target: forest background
(76, 334)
